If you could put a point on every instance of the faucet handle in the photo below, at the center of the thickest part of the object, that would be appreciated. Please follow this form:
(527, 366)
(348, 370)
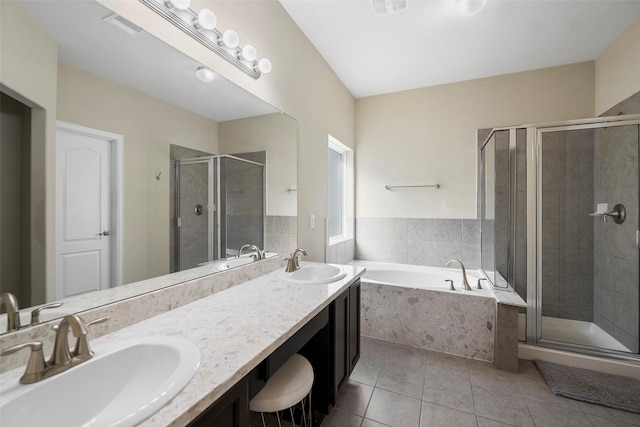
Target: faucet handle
(479, 281)
(35, 314)
(98, 320)
(451, 287)
(82, 347)
(36, 363)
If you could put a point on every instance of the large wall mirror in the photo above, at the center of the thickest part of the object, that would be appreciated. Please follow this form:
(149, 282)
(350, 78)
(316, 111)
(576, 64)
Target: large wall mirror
(129, 108)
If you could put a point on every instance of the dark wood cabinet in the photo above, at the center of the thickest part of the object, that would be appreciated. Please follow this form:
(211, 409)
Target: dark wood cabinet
(354, 325)
(345, 336)
(231, 410)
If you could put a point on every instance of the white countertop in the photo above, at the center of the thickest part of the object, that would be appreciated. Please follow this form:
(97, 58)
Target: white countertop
(234, 329)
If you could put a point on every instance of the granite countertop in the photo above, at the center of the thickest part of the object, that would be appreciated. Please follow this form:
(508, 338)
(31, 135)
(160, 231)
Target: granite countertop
(507, 297)
(234, 329)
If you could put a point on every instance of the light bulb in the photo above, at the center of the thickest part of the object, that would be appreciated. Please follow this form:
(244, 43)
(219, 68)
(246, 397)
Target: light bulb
(206, 20)
(230, 38)
(249, 53)
(178, 4)
(264, 66)
(205, 75)
(468, 8)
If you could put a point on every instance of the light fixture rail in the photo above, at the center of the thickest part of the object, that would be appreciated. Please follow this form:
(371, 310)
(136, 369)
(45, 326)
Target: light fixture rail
(187, 21)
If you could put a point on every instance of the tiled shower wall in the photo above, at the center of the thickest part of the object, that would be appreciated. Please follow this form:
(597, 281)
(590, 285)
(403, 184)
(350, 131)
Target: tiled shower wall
(567, 229)
(419, 241)
(616, 257)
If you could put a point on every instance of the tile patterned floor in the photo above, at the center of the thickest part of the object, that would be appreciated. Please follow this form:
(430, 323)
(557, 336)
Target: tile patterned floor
(397, 385)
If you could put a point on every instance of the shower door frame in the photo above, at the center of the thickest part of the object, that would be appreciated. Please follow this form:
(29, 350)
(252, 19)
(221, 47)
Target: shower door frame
(214, 202)
(534, 230)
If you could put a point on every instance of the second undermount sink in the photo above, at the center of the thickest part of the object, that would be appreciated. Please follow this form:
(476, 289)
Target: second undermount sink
(123, 384)
(312, 273)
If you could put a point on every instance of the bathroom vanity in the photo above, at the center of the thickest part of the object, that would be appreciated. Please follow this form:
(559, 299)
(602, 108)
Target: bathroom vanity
(330, 341)
(244, 334)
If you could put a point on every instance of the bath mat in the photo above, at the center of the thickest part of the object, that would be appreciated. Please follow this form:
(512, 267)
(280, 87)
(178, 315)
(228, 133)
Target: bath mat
(603, 389)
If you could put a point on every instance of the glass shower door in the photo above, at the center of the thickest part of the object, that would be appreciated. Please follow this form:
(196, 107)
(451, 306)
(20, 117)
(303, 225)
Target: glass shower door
(195, 219)
(588, 264)
(242, 196)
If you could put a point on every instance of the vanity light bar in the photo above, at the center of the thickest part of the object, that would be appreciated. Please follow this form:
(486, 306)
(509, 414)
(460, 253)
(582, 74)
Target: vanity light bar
(184, 19)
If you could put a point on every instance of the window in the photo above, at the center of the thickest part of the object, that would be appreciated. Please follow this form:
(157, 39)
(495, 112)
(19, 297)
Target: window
(339, 161)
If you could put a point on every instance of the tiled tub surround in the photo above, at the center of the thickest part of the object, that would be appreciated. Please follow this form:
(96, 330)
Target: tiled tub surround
(280, 233)
(417, 308)
(341, 253)
(135, 302)
(234, 330)
(418, 241)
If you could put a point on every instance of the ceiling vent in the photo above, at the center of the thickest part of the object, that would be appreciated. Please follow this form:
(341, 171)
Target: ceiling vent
(123, 24)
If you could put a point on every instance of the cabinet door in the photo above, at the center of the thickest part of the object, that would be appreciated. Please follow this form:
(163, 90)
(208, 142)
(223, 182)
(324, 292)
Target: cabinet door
(354, 325)
(231, 410)
(340, 341)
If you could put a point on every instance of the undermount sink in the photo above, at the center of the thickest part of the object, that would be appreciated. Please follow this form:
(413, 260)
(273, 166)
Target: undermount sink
(315, 274)
(123, 384)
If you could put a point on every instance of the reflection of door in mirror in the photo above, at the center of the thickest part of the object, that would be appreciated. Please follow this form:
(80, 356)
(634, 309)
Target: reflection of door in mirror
(85, 169)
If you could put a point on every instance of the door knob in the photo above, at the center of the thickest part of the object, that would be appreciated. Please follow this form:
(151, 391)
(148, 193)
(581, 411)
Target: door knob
(104, 233)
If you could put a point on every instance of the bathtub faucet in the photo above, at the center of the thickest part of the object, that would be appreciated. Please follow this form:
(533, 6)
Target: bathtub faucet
(465, 282)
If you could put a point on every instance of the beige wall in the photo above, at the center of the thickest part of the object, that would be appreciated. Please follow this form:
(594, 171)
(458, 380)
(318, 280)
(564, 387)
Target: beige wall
(618, 70)
(428, 136)
(31, 78)
(149, 126)
(301, 84)
(277, 135)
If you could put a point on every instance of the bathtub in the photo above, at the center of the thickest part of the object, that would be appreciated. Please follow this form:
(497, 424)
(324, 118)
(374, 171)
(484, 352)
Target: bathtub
(413, 305)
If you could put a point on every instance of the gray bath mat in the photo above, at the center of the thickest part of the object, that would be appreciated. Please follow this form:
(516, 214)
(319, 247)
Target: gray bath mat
(603, 389)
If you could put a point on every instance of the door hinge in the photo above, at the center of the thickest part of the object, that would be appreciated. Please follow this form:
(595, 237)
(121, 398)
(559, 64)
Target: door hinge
(179, 222)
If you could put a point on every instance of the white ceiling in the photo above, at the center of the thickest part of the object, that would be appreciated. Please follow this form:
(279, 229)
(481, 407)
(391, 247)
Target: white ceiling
(429, 44)
(143, 62)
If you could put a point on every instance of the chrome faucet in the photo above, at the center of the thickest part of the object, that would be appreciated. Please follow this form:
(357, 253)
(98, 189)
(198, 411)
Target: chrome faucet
(257, 257)
(13, 312)
(293, 263)
(62, 358)
(465, 282)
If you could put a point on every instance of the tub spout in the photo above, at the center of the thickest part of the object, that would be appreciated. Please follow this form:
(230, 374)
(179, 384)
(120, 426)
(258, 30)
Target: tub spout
(465, 282)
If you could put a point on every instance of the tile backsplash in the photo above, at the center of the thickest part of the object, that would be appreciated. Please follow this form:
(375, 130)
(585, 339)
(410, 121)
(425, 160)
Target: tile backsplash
(418, 241)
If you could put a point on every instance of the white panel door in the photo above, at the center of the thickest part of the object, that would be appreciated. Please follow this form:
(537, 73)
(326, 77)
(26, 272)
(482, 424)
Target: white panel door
(83, 213)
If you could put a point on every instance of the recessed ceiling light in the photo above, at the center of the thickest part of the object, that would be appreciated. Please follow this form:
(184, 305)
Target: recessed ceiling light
(386, 7)
(468, 8)
(205, 74)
